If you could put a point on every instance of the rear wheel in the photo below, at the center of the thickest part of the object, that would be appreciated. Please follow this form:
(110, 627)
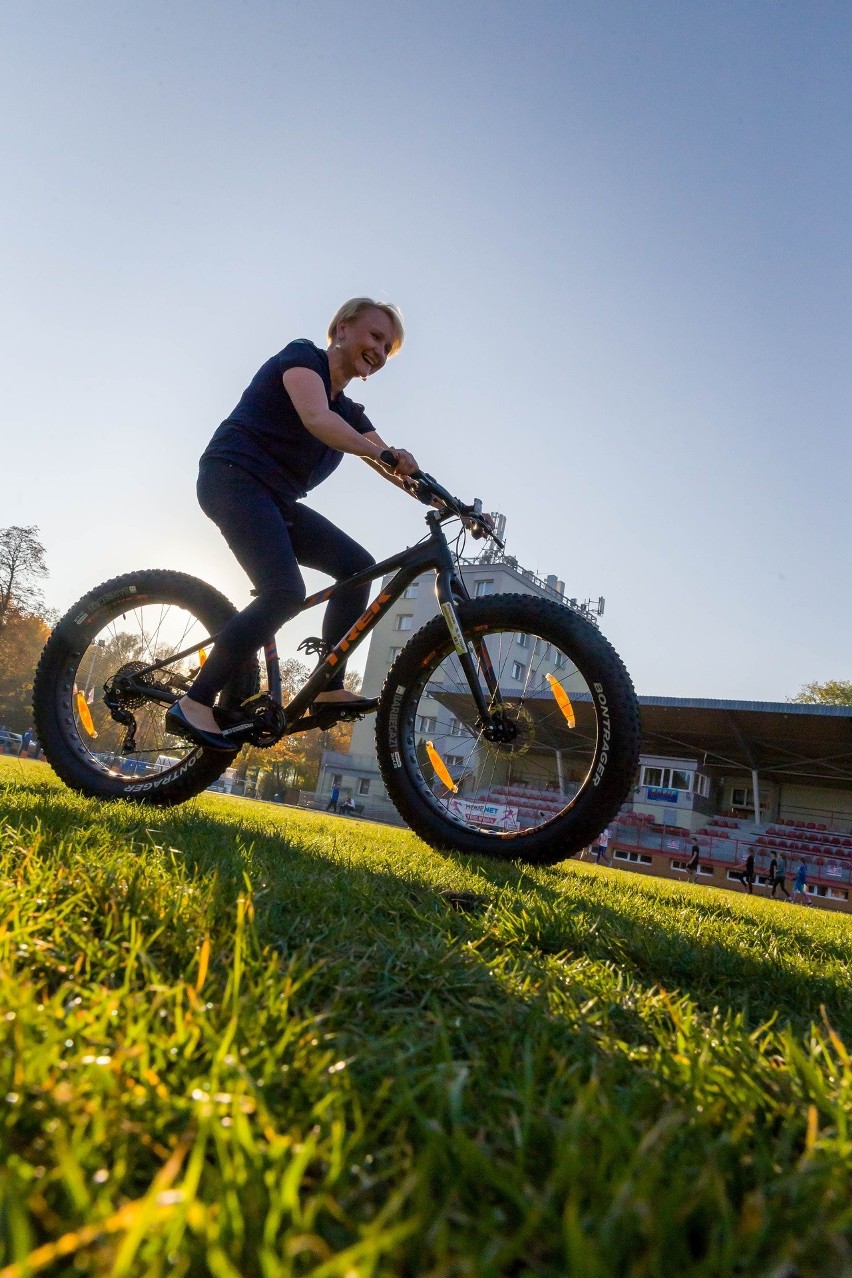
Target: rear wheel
(113, 632)
(555, 762)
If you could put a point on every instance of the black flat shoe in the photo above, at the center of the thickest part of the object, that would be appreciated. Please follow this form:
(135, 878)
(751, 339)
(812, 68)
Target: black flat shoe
(177, 722)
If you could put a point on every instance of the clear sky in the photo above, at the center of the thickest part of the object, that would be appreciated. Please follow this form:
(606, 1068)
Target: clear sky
(619, 232)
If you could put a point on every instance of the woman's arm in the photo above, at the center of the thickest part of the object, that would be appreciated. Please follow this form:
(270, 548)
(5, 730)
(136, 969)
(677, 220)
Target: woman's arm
(307, 392)
(393, 476)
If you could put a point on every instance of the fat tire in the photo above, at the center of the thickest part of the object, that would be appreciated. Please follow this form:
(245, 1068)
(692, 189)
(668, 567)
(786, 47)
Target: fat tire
(52, 688)
(617, 751)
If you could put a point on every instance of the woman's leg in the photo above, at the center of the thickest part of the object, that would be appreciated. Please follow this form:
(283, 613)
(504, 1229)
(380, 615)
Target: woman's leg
(254, 526)
(319, 544)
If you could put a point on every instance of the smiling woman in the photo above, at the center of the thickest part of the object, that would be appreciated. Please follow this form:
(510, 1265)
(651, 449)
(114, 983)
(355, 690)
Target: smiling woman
(286, 435)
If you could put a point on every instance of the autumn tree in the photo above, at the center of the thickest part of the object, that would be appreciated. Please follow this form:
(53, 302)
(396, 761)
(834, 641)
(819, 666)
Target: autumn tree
(22, 566)
(22, 638)
(835, 692)
(295, 760)
(23, 630)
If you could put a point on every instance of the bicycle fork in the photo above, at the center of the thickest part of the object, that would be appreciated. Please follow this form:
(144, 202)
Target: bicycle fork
(473, 657)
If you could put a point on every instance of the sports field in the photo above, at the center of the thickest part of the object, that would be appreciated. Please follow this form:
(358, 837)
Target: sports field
(242, 1040)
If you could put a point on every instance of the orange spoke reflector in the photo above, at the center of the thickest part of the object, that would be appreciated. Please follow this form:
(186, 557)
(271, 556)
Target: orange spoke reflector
(85, 715)
(202, 656)
(440, 767)
(562, 699)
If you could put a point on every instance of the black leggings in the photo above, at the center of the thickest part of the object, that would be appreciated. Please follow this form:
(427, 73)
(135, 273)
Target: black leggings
(270, 538)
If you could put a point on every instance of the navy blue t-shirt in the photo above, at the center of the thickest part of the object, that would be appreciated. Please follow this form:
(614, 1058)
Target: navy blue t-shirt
(264, 435)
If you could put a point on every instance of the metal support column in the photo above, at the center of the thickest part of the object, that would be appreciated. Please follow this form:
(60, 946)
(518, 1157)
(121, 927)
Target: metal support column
(755, 789)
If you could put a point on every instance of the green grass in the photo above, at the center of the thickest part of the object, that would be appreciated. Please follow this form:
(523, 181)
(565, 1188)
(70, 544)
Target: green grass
(401, 1063)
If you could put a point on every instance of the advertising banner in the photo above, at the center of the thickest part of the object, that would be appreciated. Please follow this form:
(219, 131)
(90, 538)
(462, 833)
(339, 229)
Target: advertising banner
(497, 815)
(657, 794)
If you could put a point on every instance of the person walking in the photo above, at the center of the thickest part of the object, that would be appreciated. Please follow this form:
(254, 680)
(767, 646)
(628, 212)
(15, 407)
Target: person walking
(779, 878)
(601, 845)
(287, 434)
(331, 806)
(800, 882)
(746, 873)
(25, 744)
(692, 863)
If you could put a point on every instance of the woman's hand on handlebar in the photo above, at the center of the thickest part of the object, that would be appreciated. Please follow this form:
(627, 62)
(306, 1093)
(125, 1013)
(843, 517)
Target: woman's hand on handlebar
(481, 525)
(400, 461)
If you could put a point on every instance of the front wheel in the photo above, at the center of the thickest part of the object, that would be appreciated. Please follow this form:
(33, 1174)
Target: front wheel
(554, 762)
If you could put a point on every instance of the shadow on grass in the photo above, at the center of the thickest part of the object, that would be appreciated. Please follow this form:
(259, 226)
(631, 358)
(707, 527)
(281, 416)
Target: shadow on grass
(325, 885)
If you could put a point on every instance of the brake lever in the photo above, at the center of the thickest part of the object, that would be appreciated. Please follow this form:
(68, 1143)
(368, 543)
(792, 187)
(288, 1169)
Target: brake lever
(427, 489)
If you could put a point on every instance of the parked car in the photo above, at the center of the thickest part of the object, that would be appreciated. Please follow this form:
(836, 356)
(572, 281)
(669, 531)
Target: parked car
(10, 740)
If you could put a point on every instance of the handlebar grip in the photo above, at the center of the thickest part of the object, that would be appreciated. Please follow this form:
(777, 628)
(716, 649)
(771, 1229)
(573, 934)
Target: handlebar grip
(389, 459)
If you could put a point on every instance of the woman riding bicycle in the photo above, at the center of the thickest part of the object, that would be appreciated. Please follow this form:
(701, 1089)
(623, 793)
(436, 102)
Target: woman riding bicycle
(287, 434)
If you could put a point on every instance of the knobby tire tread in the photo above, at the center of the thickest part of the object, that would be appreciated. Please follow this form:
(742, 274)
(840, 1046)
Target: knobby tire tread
(597, 660)
(205, 766)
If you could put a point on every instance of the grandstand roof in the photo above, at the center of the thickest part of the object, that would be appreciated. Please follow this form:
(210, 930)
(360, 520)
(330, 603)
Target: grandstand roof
(809, 744)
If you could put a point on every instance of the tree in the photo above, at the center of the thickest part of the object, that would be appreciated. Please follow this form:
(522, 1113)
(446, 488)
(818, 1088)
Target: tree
(21, 568)
(22, 638)
(835, 692)
(296, 759)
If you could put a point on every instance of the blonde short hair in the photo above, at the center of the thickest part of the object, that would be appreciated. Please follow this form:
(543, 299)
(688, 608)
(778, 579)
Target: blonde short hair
(357, 305)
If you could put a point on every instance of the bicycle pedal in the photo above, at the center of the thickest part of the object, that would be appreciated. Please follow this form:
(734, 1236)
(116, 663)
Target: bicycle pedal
(325, 717)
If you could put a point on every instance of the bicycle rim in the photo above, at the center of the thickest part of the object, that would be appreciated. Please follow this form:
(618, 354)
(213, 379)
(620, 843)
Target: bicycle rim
(563, 754)
(135, 638)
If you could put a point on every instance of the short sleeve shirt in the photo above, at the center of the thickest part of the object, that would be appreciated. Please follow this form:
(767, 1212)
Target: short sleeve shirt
(265, 436)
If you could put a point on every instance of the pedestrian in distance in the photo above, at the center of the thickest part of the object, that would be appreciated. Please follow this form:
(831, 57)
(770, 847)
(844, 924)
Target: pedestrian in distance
(331, 806)
(600, 847)
(770, 875)
(746, 873)
(779, 877)
(692, 863)
(25, 743)
(800, 883)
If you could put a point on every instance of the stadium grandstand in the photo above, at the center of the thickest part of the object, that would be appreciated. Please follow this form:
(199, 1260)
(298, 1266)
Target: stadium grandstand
(738, 776)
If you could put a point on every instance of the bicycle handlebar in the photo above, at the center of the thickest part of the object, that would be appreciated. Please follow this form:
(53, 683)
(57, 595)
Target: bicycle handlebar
(429, 490)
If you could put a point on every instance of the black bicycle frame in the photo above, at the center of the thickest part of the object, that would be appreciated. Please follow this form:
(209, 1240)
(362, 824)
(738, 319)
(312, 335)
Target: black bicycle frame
(433, 553)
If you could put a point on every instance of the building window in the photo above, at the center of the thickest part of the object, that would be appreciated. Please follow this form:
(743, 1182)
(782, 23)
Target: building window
(427, 723)
(668, 778)
(412, 590)
(744, 798)
(639, 857)
(702, 869)
(484, 587)
(518, 671)
(702, 784)
(524, 640)
(455, 760)
(363, 786)
(560, 660)
(336, 779)
(456, 727)
(404, 621)
(393, 654)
